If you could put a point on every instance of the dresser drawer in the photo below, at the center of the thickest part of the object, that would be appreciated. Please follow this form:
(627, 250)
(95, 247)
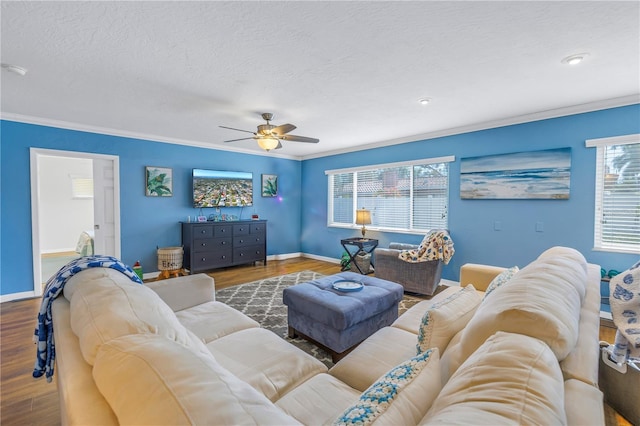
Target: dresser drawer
(222, 231)
(248, 240)
(241, 230)
(248, 254)
(202, 231)
(258, 228)
(209, 244)
(212, 259)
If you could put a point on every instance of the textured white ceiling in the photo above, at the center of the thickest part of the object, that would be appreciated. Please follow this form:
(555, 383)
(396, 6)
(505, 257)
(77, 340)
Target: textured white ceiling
(348, 73)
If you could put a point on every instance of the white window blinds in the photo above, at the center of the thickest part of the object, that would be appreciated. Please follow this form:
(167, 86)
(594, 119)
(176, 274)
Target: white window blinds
(81, 187)
(408, 196)
(617, 197)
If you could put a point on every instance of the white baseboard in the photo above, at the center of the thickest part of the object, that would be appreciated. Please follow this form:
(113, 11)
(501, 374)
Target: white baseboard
(284, 256)
(322, 258)
(17, 296)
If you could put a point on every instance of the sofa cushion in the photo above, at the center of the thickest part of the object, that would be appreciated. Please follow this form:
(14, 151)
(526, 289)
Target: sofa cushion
(382, 351)
(411, 320)
(212, 320)
(582, 361)
(501, 279)
(168, 384)
(111, 306)
(401, 397)
(267, 362)
(542, 300)
(446, 318)
(585, 402)
(319, 400)
(510, 379)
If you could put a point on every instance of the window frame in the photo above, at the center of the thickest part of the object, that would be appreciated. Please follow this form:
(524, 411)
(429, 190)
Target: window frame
(599, 244)
(374, 167)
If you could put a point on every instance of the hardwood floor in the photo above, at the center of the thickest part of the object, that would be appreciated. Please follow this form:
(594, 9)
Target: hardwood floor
(27, 401)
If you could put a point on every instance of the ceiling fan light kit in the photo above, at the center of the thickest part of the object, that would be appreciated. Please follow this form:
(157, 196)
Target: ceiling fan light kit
(268, 143)
(269, 136)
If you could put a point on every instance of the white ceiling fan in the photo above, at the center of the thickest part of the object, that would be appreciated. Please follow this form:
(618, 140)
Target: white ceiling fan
(269, 136)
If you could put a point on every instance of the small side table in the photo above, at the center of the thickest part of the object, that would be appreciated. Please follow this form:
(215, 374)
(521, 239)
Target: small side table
(363, 245)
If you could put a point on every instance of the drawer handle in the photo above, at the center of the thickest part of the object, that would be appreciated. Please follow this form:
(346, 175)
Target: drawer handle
(224, 242)
(223, 257)
(241, 254)
(242, 241)
(203, 244)
(203, 231)
(241, 229)
(204, 259)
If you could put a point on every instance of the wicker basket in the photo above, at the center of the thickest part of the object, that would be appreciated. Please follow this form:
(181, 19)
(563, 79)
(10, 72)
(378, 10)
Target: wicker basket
(364, 263)
(170, 258)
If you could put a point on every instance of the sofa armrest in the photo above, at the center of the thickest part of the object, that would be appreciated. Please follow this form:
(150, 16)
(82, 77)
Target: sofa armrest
(479, 275)
(184, 292)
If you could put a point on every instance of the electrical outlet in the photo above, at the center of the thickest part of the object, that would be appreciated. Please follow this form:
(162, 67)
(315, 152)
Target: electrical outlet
(497, 225)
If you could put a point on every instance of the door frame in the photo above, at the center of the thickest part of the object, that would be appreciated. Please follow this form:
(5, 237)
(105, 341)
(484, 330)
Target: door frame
(35, 154)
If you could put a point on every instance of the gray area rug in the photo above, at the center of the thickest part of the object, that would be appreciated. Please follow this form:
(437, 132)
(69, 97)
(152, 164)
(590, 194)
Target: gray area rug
(262, 301)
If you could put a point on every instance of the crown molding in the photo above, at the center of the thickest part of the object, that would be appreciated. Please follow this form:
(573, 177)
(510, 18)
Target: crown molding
(526, 118)
(133, 135)
(542, 115)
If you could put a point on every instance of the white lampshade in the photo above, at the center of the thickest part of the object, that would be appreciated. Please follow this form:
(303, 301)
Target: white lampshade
(268, 143)
(363, 217)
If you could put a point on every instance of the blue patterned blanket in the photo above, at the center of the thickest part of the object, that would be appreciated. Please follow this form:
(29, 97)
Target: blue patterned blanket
(625, 310)
(46, 351)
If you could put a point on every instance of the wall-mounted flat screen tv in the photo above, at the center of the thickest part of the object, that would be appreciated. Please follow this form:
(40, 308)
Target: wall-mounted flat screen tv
(217, 188)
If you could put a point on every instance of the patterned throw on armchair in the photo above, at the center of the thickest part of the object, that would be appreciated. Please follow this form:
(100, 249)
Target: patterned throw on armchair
(417, 267)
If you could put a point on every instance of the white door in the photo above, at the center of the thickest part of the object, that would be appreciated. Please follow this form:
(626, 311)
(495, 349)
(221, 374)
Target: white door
(106, 187)
(105, 225)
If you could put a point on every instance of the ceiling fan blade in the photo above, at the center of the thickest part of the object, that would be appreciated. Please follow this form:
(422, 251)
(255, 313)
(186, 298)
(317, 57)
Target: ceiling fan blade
(236, 140)
(279, 145)
(294, 138)
(283, 129)
(240, 130)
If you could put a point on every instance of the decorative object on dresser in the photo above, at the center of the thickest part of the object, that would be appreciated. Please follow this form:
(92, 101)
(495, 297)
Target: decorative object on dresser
(214, 245)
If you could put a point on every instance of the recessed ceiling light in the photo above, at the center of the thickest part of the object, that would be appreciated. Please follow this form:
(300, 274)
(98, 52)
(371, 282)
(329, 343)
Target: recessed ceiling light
(14, 69)
(424, 101)
(575, 59)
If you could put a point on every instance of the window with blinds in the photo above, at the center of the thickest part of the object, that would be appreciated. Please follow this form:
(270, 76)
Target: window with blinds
(617, 206)
(81, 187)
(402, 197)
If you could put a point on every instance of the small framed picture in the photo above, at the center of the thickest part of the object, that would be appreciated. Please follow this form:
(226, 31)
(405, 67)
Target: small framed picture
(159, 182)
(269, 185)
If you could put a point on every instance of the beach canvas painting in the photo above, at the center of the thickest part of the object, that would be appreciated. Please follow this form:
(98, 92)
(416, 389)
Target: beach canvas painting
(521, 175)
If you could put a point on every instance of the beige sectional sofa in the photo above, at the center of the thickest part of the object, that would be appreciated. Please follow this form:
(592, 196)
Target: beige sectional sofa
(168, 353)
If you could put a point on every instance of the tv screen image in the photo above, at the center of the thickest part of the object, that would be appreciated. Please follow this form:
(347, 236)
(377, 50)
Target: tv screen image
(217, 188)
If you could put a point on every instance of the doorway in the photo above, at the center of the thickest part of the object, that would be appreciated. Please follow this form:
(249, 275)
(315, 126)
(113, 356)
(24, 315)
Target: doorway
(75, 209)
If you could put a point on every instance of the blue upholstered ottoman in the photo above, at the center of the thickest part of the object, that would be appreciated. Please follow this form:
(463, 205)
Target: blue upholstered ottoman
(340, 320)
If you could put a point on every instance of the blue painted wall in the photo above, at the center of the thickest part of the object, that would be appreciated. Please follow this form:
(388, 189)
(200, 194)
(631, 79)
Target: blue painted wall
(565, 222)
(146, 222)
(298, 219)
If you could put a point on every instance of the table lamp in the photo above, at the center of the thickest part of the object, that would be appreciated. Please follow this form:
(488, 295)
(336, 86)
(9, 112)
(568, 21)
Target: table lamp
(363, 217)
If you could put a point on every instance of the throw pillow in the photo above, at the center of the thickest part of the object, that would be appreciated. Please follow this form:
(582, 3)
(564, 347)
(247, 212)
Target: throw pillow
(446, 318)
(401, 396)
(500, 280)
